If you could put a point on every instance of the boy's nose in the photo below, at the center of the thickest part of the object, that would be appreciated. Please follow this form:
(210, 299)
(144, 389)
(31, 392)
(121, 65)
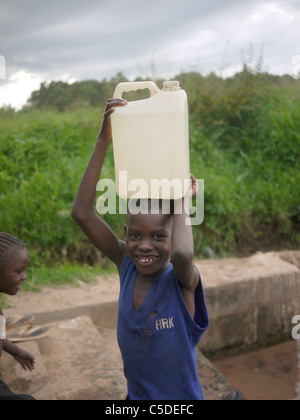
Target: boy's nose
(145, 245)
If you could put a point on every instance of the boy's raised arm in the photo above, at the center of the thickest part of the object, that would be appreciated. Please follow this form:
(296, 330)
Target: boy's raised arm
(182, 251)
(83, 210)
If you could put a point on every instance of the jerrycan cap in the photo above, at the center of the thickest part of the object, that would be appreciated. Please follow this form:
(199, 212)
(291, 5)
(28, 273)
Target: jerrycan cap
(171, 86)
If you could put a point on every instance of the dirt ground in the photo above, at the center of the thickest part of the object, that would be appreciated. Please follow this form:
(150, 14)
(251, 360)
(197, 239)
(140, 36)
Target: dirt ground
(272, 373)
(104, 289)
(83, 361)
(268, 374)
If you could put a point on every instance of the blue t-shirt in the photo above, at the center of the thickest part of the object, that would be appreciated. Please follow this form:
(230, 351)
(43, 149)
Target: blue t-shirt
(158, 340)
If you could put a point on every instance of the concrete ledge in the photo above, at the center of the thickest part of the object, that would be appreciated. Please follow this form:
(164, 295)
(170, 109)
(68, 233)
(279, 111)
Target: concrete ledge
(251, 301)
(102, 314)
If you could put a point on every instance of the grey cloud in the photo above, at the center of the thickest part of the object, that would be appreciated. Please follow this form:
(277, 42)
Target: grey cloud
(92, 38)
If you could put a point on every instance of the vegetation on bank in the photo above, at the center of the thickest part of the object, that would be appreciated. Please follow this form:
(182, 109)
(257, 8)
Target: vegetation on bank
(244, 142)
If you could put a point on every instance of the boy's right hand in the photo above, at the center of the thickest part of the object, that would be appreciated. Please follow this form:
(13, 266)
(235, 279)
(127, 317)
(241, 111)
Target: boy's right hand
(106, 131)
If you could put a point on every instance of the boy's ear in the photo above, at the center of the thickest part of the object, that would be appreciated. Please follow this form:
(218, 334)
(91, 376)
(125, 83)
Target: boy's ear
(125, 231)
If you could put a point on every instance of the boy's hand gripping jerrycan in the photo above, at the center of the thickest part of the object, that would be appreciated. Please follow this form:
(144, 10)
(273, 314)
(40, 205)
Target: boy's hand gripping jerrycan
(151, 142)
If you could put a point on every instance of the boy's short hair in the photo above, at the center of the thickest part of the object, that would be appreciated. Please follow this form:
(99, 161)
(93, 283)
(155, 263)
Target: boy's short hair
(9, 243)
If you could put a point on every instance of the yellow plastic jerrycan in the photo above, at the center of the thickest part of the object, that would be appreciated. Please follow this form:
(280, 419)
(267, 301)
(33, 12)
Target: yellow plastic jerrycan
(151, 142)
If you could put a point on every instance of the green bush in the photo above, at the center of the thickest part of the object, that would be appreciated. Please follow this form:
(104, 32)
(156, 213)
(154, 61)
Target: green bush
(244, 141)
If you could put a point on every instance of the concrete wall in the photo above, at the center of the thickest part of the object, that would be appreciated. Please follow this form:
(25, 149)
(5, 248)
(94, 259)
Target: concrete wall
(250, 301)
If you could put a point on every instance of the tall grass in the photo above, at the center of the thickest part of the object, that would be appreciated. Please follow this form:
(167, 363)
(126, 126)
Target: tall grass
(244, 141)
(43, 156)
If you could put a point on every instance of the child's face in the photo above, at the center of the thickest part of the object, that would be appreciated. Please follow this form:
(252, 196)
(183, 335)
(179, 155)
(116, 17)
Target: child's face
(13, 274)
(148, 242)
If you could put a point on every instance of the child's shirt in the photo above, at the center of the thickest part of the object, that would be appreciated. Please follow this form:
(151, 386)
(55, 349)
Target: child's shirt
(158, 340)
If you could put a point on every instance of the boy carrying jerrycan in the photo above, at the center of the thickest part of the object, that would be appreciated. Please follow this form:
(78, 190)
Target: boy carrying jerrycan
(162, 313)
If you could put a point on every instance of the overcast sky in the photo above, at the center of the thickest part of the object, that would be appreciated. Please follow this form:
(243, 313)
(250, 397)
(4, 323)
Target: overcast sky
(94, 39)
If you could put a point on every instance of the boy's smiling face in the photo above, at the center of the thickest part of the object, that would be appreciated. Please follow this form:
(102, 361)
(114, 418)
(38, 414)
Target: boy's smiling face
(13, 273)
(148, 242)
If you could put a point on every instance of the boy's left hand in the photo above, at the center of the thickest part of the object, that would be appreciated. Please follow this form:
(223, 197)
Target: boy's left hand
(25, 359)
(193, 191)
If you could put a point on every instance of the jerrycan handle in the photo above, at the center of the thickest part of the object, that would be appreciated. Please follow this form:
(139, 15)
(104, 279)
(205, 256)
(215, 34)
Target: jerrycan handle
(133, 86)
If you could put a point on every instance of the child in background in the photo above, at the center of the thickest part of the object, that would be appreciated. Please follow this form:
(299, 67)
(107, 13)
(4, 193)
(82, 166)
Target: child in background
(14, 260)
(162, 313)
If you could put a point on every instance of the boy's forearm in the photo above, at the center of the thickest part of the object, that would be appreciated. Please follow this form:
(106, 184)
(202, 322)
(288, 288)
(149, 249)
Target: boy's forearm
(182, 245)
(85, 198)
(84, 202)
(182, 251)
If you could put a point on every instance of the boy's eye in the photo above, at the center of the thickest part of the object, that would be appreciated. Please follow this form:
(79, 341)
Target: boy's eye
(159, 236)
(134, 236)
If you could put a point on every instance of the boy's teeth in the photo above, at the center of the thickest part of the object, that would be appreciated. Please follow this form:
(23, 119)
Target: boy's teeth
(146, 260)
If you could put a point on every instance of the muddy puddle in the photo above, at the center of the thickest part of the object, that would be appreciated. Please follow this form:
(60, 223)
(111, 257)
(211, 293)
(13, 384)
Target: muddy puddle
(268, 374)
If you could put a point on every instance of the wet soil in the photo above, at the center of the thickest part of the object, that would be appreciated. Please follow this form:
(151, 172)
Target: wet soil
(267, 374)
